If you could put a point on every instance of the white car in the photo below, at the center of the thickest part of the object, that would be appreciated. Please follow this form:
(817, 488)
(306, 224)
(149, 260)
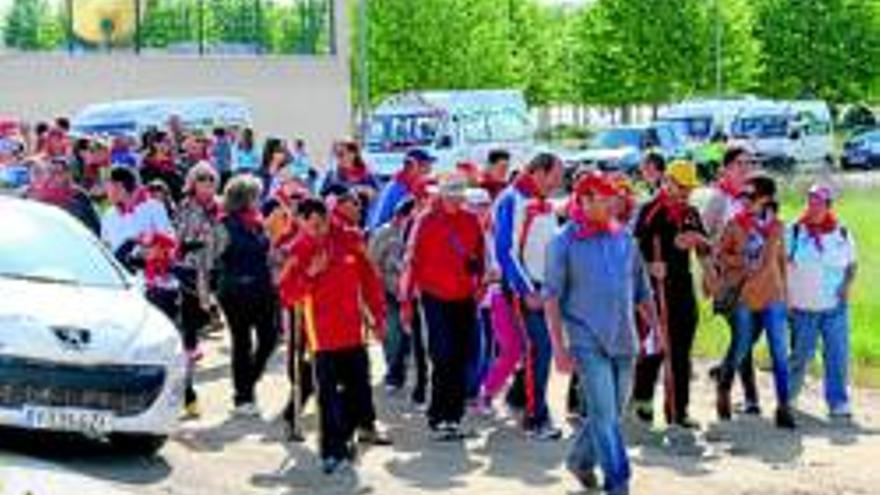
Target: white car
(81, 349)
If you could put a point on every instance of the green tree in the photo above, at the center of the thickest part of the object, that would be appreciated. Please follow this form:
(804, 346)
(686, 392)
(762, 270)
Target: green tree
(820, 48)
(33, 25)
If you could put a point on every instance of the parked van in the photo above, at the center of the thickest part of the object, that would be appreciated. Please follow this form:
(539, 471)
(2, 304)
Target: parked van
(135, 116)
(787, 134)
(455, 126)
(698, 120)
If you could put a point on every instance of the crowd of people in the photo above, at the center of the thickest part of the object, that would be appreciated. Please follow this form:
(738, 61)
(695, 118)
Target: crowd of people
(480, 279)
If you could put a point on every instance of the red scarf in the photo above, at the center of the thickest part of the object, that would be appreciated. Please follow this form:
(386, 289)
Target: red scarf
(727, 186)
(251, 218)
(676, 210)
(749, 223)
(816, 230)
(415, 185)
(137, 198)
(526, 184)
(355, 174)
(211, 206)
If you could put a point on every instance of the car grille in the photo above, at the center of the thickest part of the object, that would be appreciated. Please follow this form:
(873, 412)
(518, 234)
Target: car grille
(124, 390)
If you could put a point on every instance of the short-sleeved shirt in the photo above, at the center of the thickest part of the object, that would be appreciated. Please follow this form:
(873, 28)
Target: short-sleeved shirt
(598, 280)
(816, 275)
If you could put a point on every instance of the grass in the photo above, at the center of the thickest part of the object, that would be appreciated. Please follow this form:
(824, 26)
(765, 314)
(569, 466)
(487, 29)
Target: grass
(859, 209)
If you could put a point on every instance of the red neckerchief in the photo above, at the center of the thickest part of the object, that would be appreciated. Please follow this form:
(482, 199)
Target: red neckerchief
(252, 219)
(526, 185)
(816, 230)
(587, 228)
(729, 189)
(137, 198)
(161, 253)
(353, 175)
(676, 210)
(492, 185)
(410, 182)
(749, 223)
(211, 206)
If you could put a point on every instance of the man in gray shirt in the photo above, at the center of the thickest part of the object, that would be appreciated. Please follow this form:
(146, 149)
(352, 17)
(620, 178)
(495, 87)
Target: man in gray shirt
(595, 283)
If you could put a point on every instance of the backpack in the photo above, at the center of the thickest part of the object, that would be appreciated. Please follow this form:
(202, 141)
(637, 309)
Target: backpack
(796, 235)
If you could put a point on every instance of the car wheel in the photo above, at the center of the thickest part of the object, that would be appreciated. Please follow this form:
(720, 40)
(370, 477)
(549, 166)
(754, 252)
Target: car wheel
(138, 444)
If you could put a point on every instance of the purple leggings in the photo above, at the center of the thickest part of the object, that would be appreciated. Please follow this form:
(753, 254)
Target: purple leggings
(509, 337)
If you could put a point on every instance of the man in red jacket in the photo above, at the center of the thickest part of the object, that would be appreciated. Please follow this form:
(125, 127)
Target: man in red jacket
(444, 265)
(328, 275)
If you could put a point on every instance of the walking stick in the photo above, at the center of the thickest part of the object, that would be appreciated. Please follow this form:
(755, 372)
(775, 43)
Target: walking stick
(294, 433)
(668, 378)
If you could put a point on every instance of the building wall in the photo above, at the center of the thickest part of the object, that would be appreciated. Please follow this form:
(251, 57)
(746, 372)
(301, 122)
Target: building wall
(305, 97)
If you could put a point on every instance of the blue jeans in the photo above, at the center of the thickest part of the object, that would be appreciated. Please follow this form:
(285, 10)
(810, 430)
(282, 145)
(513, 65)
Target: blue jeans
(773, 320)
(833, 326)
(538, 360)
(605, 383)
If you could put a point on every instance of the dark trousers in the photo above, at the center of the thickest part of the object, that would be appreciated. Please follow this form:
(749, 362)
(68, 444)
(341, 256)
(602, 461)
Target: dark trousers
(169, 302)
(344, 397)
(450, 325)
(248, 316)
(192, 319)
(399, 346)
(682, 327)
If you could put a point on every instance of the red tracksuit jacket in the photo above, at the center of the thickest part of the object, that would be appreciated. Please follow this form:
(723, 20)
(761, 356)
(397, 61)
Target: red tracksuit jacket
(331, 302)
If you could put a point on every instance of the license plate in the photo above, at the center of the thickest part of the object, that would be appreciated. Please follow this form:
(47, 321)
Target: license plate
(65, 419)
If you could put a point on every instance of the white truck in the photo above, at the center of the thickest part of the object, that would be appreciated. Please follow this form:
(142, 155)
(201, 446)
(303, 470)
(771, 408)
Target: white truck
(454, 126)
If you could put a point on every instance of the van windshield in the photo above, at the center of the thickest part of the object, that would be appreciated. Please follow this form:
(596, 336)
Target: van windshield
(390, 132)
(696, 128)
(761, 126)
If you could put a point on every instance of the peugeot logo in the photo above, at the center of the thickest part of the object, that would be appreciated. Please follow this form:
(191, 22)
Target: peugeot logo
(73, 339)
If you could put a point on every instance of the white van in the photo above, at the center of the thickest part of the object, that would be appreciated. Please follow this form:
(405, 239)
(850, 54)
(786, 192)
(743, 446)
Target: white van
(785, 134)
(698, 120)
(454, 126)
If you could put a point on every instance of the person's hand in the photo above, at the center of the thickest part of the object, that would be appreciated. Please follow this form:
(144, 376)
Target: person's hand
(318, 264)
(406, 315)
(534, 301)
(379, 329)
(690, 240)
(657, 270)
(564, 361)
(844, 294)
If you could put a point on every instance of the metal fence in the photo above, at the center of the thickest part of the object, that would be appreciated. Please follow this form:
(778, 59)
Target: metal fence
(182, 27)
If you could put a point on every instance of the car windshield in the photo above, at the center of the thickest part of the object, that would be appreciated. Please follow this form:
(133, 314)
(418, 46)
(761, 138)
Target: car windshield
(37, 246)
(388, 132)
(762, 126)
(696, 128)
(618, 138)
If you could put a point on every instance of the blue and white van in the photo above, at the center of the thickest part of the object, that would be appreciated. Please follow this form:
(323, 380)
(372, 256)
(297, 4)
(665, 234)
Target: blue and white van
(454, 126)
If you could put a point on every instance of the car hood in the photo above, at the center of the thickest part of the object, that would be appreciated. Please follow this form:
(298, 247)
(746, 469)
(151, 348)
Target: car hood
(46, 321)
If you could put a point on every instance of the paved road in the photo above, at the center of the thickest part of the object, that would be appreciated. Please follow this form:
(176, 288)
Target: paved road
(218, 455)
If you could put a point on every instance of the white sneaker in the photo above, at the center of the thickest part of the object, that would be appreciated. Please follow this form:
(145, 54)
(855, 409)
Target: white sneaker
(246, 410)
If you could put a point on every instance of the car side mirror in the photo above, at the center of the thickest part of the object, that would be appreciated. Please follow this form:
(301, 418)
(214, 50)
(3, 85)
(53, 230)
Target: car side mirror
(795, 134)
(444, 142)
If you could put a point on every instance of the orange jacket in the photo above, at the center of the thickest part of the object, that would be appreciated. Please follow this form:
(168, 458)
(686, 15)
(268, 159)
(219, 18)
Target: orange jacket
(331, 301)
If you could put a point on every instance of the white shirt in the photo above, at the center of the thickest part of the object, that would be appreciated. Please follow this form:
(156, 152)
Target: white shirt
(147, 217)
(815, 276)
